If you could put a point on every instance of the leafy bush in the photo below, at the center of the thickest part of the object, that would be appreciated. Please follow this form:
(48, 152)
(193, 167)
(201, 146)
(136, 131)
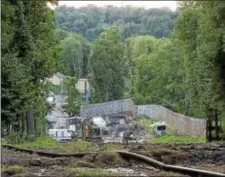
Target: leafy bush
(14, 138)
(13, 170)
(55, 89)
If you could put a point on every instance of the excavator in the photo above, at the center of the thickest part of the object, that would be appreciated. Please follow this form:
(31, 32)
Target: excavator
(87, 131)
(91, 132)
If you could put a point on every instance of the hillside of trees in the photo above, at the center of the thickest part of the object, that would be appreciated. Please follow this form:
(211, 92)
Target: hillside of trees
(91, 20)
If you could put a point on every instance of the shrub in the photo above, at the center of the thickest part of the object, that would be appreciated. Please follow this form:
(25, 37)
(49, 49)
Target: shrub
(14, 138)
(13, 170)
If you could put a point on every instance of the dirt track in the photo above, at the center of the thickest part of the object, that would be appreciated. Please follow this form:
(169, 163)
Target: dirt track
(205, 156)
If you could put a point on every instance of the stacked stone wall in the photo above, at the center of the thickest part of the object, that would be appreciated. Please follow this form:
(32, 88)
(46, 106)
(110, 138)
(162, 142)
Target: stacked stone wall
(107, 108)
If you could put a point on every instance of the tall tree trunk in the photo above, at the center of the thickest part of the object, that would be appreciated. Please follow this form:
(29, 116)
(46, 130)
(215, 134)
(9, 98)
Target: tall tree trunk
(216, 125)
(30, 123)
(23, 125)
(209, 125)
(187, 108)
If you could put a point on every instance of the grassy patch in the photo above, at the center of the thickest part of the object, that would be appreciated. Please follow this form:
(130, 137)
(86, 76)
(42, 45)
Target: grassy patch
(110, 147)
(79, 146)
(14, 169)
(42, 142)
(86, 173)
(49, 143)
(177, 139)
(74, 146)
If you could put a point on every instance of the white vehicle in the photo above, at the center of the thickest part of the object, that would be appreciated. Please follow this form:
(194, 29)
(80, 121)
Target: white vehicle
(60, 134)
(160, 128)
(62, 130)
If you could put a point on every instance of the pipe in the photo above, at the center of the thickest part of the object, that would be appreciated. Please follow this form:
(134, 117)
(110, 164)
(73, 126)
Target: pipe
(192, 171)
(184, 170)
(146, 159)
(46, 154)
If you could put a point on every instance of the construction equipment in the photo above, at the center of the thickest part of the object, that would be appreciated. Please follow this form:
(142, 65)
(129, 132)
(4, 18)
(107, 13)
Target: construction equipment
(90, 131)
(76, 128)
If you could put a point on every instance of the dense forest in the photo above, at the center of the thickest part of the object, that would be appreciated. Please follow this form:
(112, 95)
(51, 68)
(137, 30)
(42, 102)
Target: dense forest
(90, 21)
(154, 56)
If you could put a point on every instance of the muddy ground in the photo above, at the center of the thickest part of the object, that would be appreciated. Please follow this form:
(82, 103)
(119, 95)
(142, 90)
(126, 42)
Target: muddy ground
(209, 157)
(44, 166)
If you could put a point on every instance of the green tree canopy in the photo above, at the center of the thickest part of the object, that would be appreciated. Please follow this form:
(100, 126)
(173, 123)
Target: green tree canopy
(73, 96)
(74, 54)
(107, 66)
(29, 50)
(90, 21)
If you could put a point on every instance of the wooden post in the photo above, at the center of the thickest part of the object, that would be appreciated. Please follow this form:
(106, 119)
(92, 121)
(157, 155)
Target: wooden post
(210, 130)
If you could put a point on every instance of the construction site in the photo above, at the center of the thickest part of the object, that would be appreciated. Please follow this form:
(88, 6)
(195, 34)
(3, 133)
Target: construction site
(112, 88)
(108, 139)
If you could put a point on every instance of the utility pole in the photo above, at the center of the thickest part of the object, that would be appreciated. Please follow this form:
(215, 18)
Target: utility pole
(61, 90)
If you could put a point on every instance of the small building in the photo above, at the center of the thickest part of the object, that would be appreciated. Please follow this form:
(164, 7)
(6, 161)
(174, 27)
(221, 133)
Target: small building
(57, 78)
(82, 85)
